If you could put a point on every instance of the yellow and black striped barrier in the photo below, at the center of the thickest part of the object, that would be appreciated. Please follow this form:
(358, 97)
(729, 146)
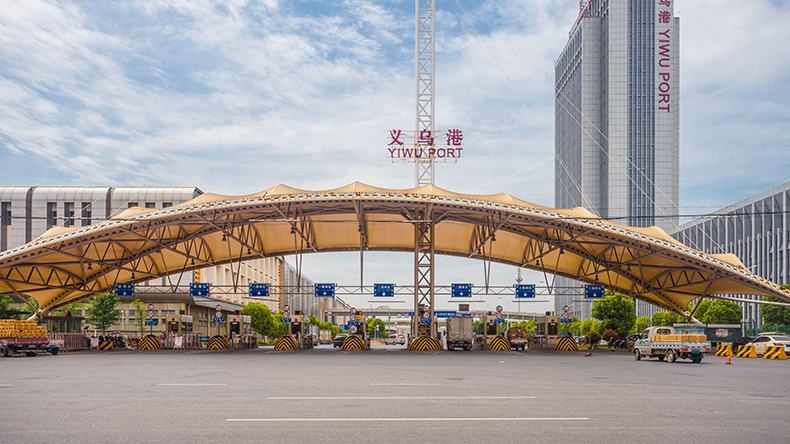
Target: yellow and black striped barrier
(775, 352)
(425, 343)
(566, 344)
(724, 350)
(149, 342)
(746, 351)
(217, 343)
(499, 344)
(285, 343)
(106, 345)
(353, 343)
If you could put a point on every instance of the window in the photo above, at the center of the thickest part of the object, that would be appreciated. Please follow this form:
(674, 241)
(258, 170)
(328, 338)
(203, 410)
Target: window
(150, 204)
(69, 213)
(132, 204)
(132, 313)
(167, 204)
(87, 211)
(5, 222)
(52, 214)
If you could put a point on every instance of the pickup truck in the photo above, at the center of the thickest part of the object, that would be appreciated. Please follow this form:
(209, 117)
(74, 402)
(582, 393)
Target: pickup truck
(664, 342)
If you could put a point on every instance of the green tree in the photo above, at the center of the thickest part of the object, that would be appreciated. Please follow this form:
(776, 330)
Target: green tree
(616, 311)
(773, 314)
(313, 320)
(5, 304)
(529, 325)
(590, 325)
(719, 311)
(372, 323)
(261, 319)
(139, 315)
(642, 323)
(102, 311)
(666, 318)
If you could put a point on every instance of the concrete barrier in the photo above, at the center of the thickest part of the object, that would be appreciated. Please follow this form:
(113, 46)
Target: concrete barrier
(724, 350)
(775, 352)
(746, 351)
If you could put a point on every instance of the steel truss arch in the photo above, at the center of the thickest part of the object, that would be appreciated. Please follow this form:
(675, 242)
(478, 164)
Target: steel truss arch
(69, 264)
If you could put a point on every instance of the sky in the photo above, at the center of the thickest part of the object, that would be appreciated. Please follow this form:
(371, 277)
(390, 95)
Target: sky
(236, 96)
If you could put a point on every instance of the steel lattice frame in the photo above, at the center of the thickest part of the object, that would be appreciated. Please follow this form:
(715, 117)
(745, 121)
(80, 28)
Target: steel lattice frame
(85, 261)
(425, 45)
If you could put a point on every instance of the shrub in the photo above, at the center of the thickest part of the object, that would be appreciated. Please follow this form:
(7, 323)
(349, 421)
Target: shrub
(609, 334)
(592, 337)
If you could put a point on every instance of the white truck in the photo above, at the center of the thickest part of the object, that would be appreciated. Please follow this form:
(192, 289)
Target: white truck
(665, 342)
(460, 333)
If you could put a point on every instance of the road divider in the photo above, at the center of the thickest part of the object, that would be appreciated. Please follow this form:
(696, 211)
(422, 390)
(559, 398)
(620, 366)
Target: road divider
(775, 352)
(746, 351)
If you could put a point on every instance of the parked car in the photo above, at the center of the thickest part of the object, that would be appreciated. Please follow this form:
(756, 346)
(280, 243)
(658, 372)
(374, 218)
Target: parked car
(338, 341)
(762, 341)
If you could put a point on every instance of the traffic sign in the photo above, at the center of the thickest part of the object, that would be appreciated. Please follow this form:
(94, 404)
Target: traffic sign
(525, 290)
(218, 307)
(259, 290)
(286, 314)
(152, 323)
(466, 315)
(324, 290)
(425, 321)
(353, 329)
(124, 290)
(199, 289)
(353, 322)
(499, 321)
(499, 315)
(444, 314)
(383, 290)
(150, 306)
(426, 314)
(499, 309)
(218, 314)
(566, 321)
(150, 313)
(566, 308)
(352, 310)
(400, 315)
(286, 307)
(285, 319)
(594, 291)
(219, 319)
(461, 290)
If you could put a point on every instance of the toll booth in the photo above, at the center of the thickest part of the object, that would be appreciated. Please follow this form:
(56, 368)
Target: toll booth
(178, 324)
(490, 330)
(358, 327)
(297, 330)
(547, 332)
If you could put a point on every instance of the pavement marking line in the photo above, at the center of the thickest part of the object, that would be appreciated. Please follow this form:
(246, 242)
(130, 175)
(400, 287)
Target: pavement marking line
(191, 384)
(404, 384)
(5, 385)
(329, 398)
(397, 419)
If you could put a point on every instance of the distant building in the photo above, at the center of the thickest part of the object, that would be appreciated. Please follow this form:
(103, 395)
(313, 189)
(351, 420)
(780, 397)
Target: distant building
(754, 229)
(617, 109)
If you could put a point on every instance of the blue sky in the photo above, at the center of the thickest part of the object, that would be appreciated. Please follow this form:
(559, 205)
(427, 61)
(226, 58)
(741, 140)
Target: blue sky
(235, 96)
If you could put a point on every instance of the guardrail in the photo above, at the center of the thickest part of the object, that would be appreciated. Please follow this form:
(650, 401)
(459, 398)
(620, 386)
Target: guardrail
(71, 341)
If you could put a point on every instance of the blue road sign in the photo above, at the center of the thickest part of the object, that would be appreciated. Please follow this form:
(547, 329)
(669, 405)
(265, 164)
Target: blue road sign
(259, 290)
(324, 290)
(425, 321)
(594, 291)
(525, 291)
(444, 314)
(462, 290)
(204, 338)
(152, 322)
(219, 319)
(343, 326)
(383, 290)
(285, 319)
(566, 321)
(499, 321)
(466, 315)
(198, 289)
(352, 322)
(124, 290)
(411, 313)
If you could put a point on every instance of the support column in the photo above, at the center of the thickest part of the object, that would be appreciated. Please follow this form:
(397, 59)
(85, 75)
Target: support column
(423, 276)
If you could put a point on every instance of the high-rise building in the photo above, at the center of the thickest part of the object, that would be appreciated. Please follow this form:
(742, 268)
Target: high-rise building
(617, 107)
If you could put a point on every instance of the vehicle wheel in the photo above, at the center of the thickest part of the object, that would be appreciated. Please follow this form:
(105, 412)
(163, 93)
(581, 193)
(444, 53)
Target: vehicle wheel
(54, 351)
(637, 354)
(670, 356)
(5, 353)
(660, 358)
(696, 360)
(30, 354)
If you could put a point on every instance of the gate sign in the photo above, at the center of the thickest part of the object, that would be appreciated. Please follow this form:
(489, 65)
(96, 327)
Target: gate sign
(353, 322)
(219, 319)
(259, 290)
(285, 319)
(593, 291)
(525, 290)
(462, 290)
(124, 290)
(383, 290)
(199, 289)
(152, 323)
(499, 321)
(444, 314)
(324, 290)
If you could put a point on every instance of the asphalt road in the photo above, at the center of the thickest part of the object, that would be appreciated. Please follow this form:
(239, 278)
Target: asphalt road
(389, 395)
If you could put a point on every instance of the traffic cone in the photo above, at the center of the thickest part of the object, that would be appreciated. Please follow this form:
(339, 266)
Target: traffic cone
(729, 362)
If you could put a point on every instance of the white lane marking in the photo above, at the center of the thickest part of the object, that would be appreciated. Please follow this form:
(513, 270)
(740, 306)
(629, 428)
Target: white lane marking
(5, 385)
(403, 384)
(329, 398)
(192, 384)
(396, 419)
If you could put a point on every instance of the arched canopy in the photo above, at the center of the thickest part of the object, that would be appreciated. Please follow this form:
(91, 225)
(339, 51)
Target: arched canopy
(69, 264)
